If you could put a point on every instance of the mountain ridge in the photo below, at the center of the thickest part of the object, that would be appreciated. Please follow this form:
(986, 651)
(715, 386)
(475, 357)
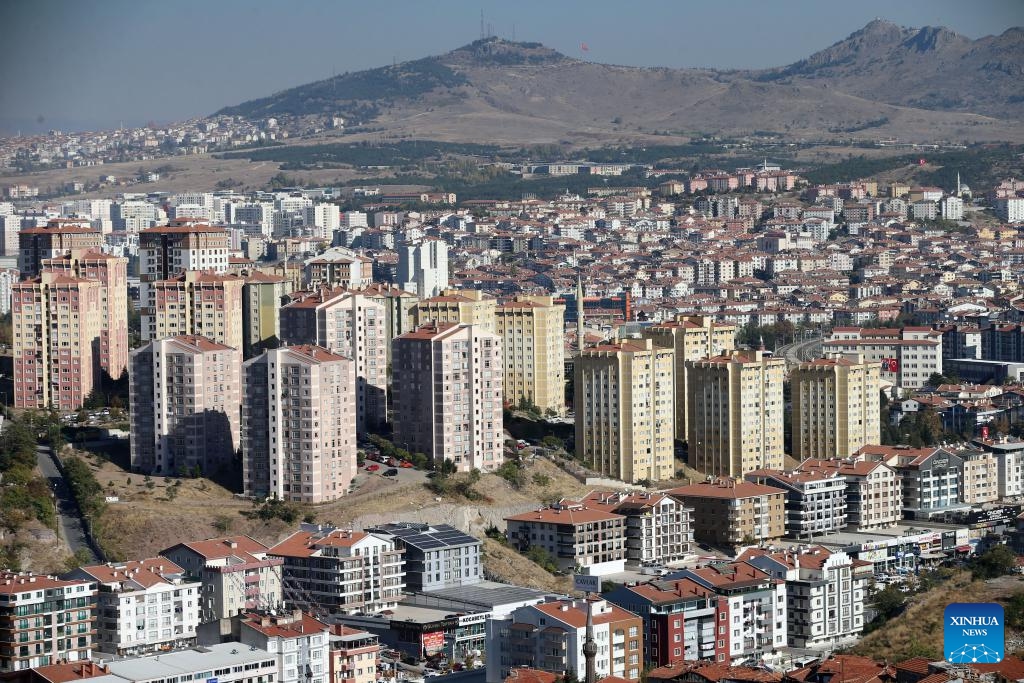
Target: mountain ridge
(883, 78)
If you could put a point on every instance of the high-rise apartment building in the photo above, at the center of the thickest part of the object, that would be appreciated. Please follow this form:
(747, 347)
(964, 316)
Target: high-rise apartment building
(198, 303)
(835, 407)
(398, 310)
(625, 410)
(56, 322)
(907, 357)
(352, 325)
(423, 267)
(45, 620)
(736, 409)
(184, 395)
(466, 306)
(57, 238)
(533, 352)
(298, 425)
(170, 250)
(692, 338)
(447, 388)
(262, 295)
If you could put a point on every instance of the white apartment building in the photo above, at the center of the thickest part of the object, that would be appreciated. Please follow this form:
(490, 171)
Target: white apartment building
(911, 354)
(1009, 457)
(447, 381)
(423, 267)
(340, 571)
(184, 394)
(236, 574)
(1010, 209)
(825, 593)
(952, 208)
(815, 501)
(257, 217)
(143, 606)
(658, 528)
(323, 220)
(8, 277)
(873, 492)
(299, 642)
(351, 325)
(298, 424)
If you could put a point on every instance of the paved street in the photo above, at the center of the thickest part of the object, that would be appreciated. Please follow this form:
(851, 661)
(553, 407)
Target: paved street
(69, 521)
(801, 351)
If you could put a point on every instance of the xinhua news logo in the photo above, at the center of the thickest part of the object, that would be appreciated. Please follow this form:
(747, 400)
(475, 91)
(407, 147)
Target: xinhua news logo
(974, 633)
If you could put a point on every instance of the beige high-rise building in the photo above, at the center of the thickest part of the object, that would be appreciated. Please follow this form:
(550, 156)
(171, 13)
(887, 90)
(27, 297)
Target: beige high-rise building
(298, 425)
(262, 295)
(693, 338)
(625, 410)
(735, 421)
(466, 306)
(835, 406)
(352, 325)
(446, 382)
(200, 303)
(533, 352)
(184, 395)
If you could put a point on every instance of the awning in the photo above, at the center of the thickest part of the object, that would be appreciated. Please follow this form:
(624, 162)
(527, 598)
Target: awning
(963, 548)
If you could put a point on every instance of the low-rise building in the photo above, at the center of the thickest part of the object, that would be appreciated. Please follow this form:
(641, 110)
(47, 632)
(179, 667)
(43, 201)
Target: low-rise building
(339, 571)
(732, 512)
(44, 620)
(815, 501)
(929, 478)
(825, 592)
(236, 573)
(549, 636)
(435, 556)
(659, 528)
(354, 654)
(1009, 456)
(873, 498)
(143, 606)
(573, 535)
(301, 640)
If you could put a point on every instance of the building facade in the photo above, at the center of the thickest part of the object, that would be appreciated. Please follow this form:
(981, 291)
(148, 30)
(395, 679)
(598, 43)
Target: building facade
(815, 501)
(730, 513)
(835, 407)
(423, 267)
(196, 303)
(298, 425)
(659, 528)
(624, 398)
(533, 352)
(447, 381)
(436, 557)
(911, 354)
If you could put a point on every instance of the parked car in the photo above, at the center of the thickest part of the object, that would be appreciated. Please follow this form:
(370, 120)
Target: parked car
(406, 464)
(372, 468)
(391, 472)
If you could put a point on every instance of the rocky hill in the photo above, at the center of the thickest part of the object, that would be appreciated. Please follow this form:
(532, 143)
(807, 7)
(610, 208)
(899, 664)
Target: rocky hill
(881, 81)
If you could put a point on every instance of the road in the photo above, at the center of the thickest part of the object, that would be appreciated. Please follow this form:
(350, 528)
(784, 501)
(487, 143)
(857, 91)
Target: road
(800, 351)
(69, 520)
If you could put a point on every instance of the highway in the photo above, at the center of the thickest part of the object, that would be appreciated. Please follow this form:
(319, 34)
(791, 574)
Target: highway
(800, 351)
(69, 517)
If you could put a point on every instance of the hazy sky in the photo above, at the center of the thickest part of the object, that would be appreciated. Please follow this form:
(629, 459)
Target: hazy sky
(81, 64)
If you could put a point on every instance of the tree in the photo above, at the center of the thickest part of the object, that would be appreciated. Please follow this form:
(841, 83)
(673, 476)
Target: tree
(889, 602)
(997, 561)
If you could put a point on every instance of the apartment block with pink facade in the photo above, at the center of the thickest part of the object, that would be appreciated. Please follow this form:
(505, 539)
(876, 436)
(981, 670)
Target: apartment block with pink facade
(298, 424)
(184, 394)
(197, 302)
(447, 382)
(350, 324)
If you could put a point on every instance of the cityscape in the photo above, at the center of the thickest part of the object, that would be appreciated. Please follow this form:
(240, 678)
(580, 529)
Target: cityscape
(448, 369)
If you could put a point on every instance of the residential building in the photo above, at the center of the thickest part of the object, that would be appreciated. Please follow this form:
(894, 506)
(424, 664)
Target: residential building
(873, 496)
(659, 528)
(549, 636)
(354, 655)
(979, 483)
(303, 641)
(692, 338)
(197, 303)
(911, 354)
(184, 394)
(815, 501)
(344, 270)
(736, 409)
(446, 380)
(56, 367)
(532, 331)
(466, 306)
(1010, 209)
(730, 512)
(398, 310)
(57, 238)
(835, 406)
(930, 479)
(1003, 342)
(236, 574)
(338, 571)
(683, 620)
(298, 425)
(825, 593)
(573, 535)
(625, 410)
(167, 251)
(756, 621)
(351, 325)
(8, 278)
(45, 620)
(262, 295)
(142, 606)
(423, 267)
(844, 669)
(436, 556)
(1009, 456)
